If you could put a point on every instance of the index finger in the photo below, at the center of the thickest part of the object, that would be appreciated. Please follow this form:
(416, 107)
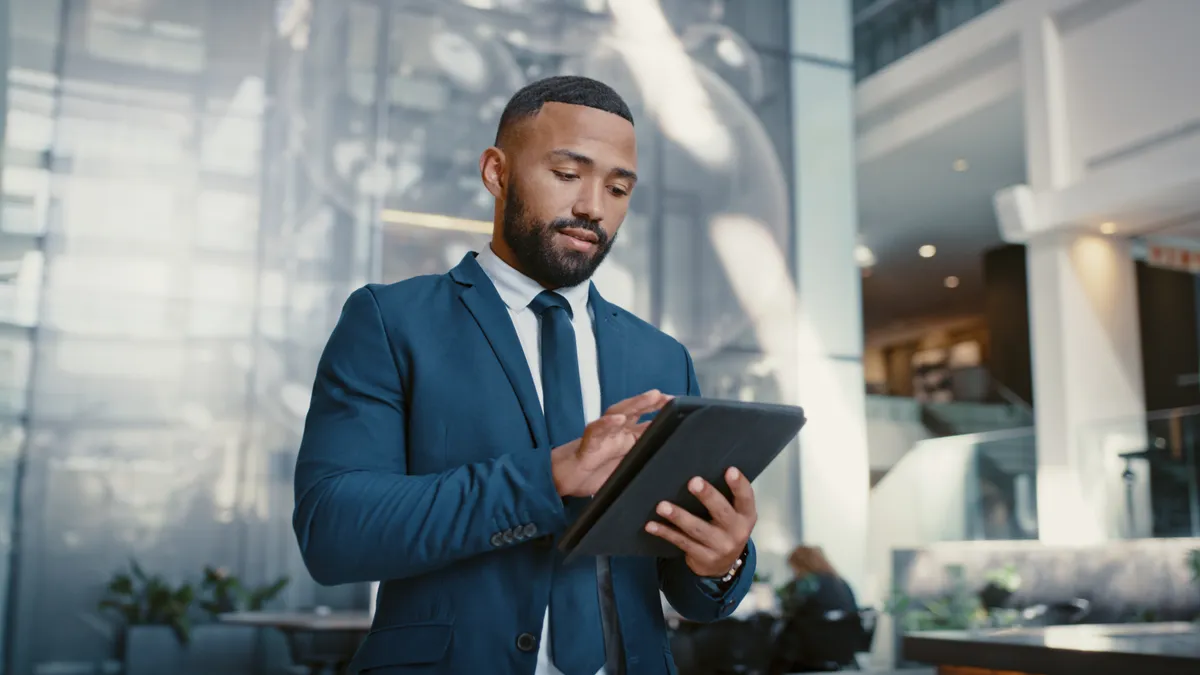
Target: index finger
(743, 493)
(641, 404)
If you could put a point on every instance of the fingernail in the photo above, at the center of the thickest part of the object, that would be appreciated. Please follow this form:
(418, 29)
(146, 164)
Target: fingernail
(734, 475)
(664, 508)
(651, 527)
(696, 484)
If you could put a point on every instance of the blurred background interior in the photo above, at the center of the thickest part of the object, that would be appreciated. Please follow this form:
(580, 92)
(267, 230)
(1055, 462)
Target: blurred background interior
(963, 234)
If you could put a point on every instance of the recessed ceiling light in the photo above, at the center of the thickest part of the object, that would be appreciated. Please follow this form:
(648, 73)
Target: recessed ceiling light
(1108, 228)
(864, 256)
(927, 251)
(960, 165)
(951, 282)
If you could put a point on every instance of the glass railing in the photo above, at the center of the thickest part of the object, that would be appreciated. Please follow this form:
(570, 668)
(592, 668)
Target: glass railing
(970, 400)
(887, 30)
(1151, 475)
(974, 487)
(961, 488)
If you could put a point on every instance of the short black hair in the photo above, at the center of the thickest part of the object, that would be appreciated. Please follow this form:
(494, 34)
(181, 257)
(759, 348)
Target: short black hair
(569, 89)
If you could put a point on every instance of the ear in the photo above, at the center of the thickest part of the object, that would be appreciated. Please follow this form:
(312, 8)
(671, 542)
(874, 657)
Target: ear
(493, 169)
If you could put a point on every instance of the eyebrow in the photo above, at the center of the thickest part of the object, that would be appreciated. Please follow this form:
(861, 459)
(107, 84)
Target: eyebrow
(628, 174)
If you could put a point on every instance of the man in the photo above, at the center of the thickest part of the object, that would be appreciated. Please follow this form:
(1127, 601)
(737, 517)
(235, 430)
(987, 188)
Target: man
(459, 422)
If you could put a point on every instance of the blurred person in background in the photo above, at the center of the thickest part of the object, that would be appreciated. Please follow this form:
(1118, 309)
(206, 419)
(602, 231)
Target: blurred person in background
(815, 588)
(822, 629)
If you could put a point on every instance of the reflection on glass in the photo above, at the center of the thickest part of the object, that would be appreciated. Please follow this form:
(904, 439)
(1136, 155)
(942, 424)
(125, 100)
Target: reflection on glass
(212, 180)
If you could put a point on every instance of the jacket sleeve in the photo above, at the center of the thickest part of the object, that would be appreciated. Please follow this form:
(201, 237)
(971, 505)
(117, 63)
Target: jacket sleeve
(686, 592)
(358, 516)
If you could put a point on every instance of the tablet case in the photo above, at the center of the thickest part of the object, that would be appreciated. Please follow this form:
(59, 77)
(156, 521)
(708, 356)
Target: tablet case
(691, 436)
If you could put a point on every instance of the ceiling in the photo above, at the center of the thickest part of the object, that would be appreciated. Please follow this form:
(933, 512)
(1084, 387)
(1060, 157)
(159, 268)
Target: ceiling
(1188, 229)
(913, 196)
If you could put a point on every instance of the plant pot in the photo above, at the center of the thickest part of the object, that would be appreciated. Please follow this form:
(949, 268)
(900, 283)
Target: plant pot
(994, 597)
(214, 648)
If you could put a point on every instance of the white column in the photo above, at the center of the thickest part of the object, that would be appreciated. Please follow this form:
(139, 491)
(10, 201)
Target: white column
(833, 468)
(1087, 377)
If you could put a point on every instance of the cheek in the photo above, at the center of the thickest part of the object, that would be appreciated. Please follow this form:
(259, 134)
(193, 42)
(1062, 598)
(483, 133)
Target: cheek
(551, 198)
(613, 219)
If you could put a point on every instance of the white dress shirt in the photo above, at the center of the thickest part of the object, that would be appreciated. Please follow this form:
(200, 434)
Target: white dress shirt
(517, 291)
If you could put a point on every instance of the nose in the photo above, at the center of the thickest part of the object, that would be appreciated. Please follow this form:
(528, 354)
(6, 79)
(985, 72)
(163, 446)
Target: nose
(588, 203)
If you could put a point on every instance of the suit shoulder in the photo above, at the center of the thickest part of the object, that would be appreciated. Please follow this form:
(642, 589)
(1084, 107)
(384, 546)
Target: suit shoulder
(643, 330)
(411, 292)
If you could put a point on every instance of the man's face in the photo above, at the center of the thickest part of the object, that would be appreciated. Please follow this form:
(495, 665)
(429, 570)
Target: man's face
(571, 172)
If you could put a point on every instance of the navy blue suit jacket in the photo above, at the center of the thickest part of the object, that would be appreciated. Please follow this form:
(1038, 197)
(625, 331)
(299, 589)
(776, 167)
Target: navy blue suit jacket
(425, 465)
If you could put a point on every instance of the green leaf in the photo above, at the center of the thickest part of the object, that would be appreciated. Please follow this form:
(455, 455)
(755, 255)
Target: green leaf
(121, 584)
(182, 628)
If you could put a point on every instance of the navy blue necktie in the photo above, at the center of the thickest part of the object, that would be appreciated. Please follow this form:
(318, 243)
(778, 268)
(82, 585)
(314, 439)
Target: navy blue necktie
(576, 632)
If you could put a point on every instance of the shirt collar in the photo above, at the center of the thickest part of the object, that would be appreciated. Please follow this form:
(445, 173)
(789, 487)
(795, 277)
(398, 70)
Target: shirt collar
(518, 290)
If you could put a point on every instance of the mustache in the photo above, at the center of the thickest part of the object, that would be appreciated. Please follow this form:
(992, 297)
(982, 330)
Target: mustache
(581, 224)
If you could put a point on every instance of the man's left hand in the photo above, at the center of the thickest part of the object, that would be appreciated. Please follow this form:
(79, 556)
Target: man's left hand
(711, 547)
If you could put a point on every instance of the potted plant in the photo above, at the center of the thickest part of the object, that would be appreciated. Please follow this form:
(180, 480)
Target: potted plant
(1000, 586)
(955, 609)
(157, 631)
(224, 593)
(155, 618)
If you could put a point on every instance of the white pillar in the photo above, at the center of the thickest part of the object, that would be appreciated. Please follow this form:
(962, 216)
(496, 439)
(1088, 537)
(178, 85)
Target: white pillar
(1086, 349)
(1087, 380)
(833, 470)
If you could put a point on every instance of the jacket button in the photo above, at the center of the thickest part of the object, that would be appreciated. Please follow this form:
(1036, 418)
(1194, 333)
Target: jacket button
(526, 642)
(530, 530)
(497, 539)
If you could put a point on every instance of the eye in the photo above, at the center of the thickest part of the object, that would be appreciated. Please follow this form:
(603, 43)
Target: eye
(564, 175)
(618, 191)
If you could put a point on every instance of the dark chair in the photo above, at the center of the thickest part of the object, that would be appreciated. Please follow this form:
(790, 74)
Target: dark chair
(728, 647)
(1057, 614)
(820, 643)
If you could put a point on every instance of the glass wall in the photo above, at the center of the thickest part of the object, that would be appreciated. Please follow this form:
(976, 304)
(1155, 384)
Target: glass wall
(886, 31)
(191, 190)
(156, 301)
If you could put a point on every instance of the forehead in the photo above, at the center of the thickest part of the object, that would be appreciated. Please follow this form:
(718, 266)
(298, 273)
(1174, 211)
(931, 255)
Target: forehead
(603, 136)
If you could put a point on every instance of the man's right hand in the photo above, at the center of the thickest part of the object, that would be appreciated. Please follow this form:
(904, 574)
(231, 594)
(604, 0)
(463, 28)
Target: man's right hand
(581, 466)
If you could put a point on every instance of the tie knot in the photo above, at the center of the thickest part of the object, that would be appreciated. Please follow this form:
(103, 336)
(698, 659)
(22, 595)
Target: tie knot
(547, 300)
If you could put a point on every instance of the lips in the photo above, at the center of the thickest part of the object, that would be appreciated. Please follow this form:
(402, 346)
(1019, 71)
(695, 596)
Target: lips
(580, 234)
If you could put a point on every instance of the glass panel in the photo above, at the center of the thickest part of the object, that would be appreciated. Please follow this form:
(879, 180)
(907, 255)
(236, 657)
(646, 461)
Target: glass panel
(198, 244)
(1151, 470)
(888, 30)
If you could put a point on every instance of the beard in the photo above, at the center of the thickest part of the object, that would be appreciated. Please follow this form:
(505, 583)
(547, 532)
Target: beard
(532, 243)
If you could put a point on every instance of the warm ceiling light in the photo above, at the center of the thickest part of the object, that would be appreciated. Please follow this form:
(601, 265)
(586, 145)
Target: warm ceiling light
(927, 251)
(1108, 228)
(864, 256)
(960, 165)
(951, 282)
(435, 221)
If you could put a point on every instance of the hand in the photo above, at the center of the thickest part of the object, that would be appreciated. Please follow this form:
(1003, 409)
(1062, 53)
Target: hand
(711, 547)
(581, 466)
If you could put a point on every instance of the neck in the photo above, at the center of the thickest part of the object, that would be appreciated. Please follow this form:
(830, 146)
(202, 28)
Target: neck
(505, 253)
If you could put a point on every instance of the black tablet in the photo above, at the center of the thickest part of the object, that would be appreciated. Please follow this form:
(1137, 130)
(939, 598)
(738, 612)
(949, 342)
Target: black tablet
(689, 437)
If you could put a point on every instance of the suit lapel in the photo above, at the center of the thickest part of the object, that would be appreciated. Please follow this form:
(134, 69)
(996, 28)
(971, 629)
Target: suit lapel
(610, 350)
(489, 311)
